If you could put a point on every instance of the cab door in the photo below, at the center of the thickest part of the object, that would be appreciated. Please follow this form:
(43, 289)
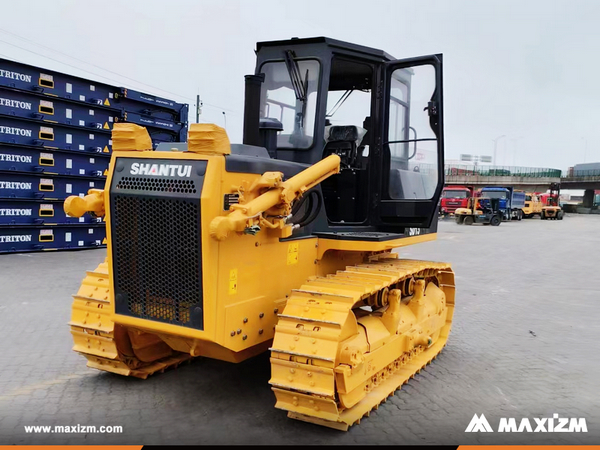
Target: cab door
(412, 147)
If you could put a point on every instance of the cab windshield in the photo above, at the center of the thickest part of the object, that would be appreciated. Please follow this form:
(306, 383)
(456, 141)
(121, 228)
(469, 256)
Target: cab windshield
(455, 194)
(289, 95)
(494, 194)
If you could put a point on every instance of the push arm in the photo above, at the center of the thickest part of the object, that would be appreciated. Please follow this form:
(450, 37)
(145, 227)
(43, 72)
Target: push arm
(93, 203)
(280, 195)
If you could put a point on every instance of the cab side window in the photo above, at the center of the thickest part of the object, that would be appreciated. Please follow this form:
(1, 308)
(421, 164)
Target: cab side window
(412, 143)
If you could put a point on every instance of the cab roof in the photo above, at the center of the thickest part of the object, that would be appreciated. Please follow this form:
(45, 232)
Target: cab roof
(329, 42)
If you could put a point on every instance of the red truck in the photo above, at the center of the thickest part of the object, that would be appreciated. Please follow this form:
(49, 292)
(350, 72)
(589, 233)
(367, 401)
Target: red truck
(454, 197)
(548, 199)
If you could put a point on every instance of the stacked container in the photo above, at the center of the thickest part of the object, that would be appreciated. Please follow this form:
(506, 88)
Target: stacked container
(55, 141)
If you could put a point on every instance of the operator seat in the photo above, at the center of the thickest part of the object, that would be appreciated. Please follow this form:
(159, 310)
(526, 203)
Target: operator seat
(346, 194)
(343, 140)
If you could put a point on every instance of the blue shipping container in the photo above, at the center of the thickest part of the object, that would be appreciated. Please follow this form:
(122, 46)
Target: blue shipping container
(30, 105)
(25, 132)
(26, 185)
(178, 129)
(65, 137)
(61, 162)
(34, 238)
(39, 212)
(126, 97)
(29, 78)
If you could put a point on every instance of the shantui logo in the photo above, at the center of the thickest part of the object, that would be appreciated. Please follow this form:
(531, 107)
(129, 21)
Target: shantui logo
(161, 170)
(554, 424)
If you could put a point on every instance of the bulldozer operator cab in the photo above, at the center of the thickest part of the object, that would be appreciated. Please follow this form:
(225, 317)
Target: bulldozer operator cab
(311, 98)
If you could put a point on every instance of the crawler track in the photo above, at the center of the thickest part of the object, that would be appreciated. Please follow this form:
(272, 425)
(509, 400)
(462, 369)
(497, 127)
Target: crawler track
(317, 374)
(110, 347)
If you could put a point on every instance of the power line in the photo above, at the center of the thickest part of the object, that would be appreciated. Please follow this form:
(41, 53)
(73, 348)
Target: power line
(91, 64)
(60, 62)
(99, 67)
(9, 57)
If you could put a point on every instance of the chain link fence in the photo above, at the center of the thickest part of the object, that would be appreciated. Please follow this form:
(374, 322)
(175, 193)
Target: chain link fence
(500, 171)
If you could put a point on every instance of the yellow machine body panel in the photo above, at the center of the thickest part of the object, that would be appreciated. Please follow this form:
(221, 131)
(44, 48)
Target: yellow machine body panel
(532, 206)
(473, 207)
(552, 212)
(460, 211)
(246, 279)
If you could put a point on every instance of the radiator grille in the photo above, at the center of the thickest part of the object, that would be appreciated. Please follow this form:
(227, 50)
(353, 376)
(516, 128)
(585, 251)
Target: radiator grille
(157, 185)
(157, 258)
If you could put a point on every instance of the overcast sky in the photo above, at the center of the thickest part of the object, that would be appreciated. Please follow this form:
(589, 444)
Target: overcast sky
(524, 69)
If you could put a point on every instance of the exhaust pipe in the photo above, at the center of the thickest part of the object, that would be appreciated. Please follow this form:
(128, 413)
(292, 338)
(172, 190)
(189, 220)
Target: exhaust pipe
(252, 110)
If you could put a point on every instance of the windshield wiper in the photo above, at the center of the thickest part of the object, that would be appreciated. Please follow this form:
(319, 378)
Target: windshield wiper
(300, 89)
(295, 77)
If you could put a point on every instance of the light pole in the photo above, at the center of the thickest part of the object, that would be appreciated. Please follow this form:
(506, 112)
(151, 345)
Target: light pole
(225, 118)
(514, 141)
(496, 146)
(198, 108)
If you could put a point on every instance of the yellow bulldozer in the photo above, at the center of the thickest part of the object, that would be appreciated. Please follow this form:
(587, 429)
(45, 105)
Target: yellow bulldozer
(283, 243)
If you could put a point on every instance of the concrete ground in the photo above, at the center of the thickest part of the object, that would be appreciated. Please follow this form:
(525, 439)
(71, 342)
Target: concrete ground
(524, 345)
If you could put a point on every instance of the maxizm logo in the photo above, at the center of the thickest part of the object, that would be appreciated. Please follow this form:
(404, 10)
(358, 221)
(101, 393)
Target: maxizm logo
(554, 424)
(161, 170)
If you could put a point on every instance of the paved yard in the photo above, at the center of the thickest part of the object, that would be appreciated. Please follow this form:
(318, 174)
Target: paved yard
(524, 344)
